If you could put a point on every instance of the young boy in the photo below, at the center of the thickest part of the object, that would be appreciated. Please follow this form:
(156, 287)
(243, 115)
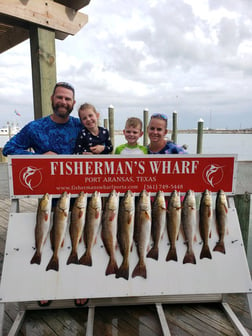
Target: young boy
(132, 132)
(92, 139)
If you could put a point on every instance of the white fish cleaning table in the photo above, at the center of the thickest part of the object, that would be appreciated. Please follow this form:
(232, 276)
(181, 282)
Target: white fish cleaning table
(166, 282)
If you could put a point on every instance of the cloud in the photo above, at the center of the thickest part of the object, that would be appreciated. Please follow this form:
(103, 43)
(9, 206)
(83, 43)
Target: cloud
(193, 57)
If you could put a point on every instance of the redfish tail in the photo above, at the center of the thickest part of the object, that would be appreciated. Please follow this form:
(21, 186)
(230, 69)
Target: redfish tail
(112, 267)
(172, 254)
(86, 259)
(140, 270)
(73, 258)
(153, 253)
(53, 264)
(123, 271)
(220, 247)
(189, 258)
(36, 259)
(205, 252)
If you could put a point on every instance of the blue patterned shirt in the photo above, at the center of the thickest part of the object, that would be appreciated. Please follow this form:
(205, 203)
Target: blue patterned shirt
(169, 148)
(44, 135)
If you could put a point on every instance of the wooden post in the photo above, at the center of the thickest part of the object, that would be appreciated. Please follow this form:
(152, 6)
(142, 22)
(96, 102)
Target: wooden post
(242, 204)
(105, 123)
(200, 136)
(249, 235)
(111, 124)
(174, 126)
(42, 42)
(145, 124)
(9, 129)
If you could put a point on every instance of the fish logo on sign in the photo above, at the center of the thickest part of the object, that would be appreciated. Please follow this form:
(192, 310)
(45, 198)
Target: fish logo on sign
(213, 174)
(30, 177)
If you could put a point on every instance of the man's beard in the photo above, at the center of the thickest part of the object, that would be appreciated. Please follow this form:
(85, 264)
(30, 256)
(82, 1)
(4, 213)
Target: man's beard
(60, 114)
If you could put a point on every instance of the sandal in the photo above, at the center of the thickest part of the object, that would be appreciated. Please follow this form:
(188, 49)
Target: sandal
(77, 304)
(44, 304)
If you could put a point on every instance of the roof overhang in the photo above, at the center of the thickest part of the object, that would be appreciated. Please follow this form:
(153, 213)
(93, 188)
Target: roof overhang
(16, 18)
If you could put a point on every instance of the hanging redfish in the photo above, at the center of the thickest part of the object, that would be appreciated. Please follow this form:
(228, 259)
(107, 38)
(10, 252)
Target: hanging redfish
(77, 222)
(188, 221)
(42, 226)
(221, 212)
(158, 223)
(173, 223)
(109, 230)
(205, 222)
(93, 221)
(142, 232)
(125, 231)
(58, 231)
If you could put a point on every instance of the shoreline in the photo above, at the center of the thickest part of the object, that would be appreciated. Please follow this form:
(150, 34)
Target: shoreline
(206, 131)
(186, 131)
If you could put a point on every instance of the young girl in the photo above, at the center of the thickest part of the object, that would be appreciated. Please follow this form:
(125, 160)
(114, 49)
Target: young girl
(92, 139)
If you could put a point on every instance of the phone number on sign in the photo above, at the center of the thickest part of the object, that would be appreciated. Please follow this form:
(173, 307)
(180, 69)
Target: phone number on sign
(163, 187)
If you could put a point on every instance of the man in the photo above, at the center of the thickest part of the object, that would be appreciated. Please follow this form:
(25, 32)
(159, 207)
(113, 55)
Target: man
(53, 134)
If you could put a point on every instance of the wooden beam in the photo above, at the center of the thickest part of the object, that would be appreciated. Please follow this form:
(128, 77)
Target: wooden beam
(75, 4)
(16, 35)
(14, 31)
(46, 13)
(12, 37)
(43, 69)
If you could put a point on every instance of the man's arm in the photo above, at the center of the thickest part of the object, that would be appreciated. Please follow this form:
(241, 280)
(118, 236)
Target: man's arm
(18, 144)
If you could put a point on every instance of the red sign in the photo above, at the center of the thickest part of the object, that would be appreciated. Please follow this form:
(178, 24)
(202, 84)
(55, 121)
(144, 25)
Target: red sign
(38, 174)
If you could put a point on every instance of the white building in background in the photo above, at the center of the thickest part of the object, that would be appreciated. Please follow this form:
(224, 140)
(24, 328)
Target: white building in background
(10, 129)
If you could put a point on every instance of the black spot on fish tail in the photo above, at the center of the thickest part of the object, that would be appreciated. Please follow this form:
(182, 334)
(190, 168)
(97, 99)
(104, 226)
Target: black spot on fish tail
(189, 258)
(73, 258)
(153, 253)
(123, 271)
(140, 270)
(36, 259)
(220, 247)
(205, 252)
(53, 264)
(86, 259)
(172, 254)
(112, 267)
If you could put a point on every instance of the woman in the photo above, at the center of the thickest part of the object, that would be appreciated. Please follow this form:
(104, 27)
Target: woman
(157, 130)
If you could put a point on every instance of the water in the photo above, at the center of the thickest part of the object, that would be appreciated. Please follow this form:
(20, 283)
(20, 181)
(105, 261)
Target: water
(239, 144)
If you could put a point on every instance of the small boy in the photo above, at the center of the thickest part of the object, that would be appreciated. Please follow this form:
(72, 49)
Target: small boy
(132, 132)
(93, 139)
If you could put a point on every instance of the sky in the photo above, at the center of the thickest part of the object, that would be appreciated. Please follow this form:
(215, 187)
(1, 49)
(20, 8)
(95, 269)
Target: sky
(189, 56)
